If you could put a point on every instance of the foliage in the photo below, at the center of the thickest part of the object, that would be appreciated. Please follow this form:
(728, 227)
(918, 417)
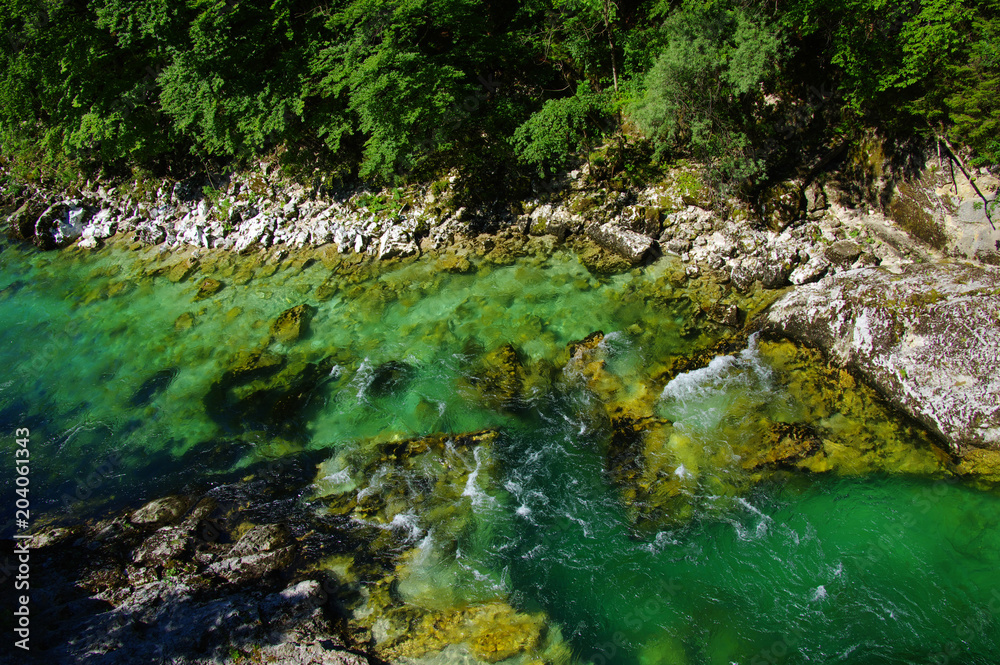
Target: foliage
(704, 95)
(402, 90)
(562, 128)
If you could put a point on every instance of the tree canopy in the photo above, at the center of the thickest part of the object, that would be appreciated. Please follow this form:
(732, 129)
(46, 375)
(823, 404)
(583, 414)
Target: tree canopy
(392, 90)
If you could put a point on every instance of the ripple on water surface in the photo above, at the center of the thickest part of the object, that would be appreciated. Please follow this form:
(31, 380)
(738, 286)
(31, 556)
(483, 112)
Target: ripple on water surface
(762, 509)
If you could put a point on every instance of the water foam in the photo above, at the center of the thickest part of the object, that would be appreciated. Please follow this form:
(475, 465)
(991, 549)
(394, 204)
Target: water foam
(472, 490)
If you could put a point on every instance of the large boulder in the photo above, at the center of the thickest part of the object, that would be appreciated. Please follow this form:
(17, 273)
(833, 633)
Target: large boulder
(941, 208)
(633, 246)
(60, 224)
(927, 339)
(21, 223)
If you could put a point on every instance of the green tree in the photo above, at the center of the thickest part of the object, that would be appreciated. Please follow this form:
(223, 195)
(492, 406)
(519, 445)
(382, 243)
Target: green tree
(562, 128)
(705, 94)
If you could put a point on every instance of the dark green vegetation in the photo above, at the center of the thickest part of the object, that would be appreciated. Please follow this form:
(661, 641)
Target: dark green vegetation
(397, 90)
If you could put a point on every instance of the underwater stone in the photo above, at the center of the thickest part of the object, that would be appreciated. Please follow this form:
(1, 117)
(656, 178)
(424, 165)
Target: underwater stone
(784, 443)
(327, 290)
(207, 287)
(500, 378)
(389, 378)
(184, 322)
(180, 271)
(291, 324)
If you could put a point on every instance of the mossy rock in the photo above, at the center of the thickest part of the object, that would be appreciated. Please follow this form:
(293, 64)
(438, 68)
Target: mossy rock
(598, 260)
(783, 445)
(207, 287)
(454, 262)
(291, 324)
(782, 205)
(499, 380)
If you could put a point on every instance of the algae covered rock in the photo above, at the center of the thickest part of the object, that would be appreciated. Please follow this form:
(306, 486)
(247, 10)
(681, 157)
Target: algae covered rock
(499, 379)
(598, 260)
(455, 262)
(926, 339)
(785, 443)
(291, 324)
(782, 205)
(207, 287)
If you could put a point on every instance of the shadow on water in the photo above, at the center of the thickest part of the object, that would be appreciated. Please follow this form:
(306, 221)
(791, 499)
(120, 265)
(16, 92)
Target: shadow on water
(152, 387)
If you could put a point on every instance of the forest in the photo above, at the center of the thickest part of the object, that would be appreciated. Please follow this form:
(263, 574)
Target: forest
(395, 91)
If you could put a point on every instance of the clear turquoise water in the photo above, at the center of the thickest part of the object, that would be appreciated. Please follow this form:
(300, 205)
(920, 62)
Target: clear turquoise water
(804, 568)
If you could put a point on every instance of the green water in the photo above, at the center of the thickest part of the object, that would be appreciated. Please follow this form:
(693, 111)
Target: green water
(862, 564)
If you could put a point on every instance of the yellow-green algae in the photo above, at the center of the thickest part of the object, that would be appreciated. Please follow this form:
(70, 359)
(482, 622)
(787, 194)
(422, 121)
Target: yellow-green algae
(544, 494)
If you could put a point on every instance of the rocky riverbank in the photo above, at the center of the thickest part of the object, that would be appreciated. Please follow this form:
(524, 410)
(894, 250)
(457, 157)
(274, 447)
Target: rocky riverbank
(322, 559)
(803, 232)
(790, 239)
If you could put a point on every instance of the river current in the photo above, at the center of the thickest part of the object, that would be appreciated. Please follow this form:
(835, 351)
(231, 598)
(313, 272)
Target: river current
(671, 549)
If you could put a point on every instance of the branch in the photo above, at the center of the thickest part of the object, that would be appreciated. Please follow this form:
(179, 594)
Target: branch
(972, 179)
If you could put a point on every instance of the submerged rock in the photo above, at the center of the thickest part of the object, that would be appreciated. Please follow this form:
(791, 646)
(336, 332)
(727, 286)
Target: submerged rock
(500, 378)
(152, 387)
(390, 378)
(184, 322)
(785, 443)
(264, 390)
(926, 339)
(291, 324)
(207, 287)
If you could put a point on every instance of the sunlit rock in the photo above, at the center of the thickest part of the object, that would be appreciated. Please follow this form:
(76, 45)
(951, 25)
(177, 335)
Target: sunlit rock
(161, 511)
(927, 339)
(635, 247)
